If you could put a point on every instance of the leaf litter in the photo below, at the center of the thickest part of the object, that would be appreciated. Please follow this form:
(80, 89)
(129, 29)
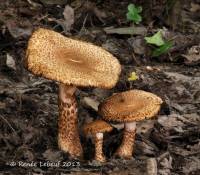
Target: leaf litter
(28, 104)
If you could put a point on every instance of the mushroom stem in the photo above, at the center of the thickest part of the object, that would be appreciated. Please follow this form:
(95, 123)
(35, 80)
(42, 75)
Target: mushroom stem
(68, 135)
(99, 156)
(126, 148)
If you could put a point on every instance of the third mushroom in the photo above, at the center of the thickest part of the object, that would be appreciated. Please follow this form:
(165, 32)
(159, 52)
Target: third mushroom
(128, 108)
(96, 129)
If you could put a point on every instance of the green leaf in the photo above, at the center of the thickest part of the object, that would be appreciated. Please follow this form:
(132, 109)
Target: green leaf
(133, 13)
(133, 76)
(162, 49)
(156, 39)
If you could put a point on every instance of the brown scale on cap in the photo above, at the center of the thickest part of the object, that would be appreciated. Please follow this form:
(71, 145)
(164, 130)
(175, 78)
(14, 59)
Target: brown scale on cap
(72, 63)
(129, 107)
(96, 129)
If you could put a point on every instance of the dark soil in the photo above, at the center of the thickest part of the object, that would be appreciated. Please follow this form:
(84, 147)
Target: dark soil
(168, 145)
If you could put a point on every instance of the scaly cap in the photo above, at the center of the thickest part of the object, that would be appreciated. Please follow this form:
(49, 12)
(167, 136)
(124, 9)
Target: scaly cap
(133, 105)
(98, 126)
(70, 61)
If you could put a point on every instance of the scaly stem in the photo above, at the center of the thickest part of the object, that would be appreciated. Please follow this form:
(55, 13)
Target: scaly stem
(99, 156)
(126, 148)
(68, 135)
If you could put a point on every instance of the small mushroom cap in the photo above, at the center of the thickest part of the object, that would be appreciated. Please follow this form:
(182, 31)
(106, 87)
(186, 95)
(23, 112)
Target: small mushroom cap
(71, 61)
(98, 126)
(133, 105)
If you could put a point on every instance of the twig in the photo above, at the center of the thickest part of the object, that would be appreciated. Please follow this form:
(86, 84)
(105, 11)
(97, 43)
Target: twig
(8, 123)
(84, 21)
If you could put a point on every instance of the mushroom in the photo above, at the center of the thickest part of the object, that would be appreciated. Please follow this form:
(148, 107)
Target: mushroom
(96, 129)
(71, 63)
(129, 107)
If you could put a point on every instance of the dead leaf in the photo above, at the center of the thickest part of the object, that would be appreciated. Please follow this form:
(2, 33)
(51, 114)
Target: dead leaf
(100, 14)
(101, 93)
(53, 2)
(34, 4)
(181, 77)
(145, 147)
(133, 30)
(145, 126)
(192, 118)
(194, 7)
(10, 62)
(24, 152)
(68, 14)
(119, 49)
(166, 166)
(170, 121)
(91, 103)
(149, 68)
(192, 166)
(17, 30)
(152, 166)
(183, 152)
(192, 56)
(138, 45)
(52, 155)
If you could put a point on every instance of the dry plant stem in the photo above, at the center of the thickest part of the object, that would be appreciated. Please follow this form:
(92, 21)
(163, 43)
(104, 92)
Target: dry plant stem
(68, 135)
(99, 156)
(126, 148)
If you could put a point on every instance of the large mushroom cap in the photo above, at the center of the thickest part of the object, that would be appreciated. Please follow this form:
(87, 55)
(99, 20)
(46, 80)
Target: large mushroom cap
(98, 126)
(70, 61)
(133, 105)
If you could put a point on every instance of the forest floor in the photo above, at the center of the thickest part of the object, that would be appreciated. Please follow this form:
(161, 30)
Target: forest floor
(168, 145)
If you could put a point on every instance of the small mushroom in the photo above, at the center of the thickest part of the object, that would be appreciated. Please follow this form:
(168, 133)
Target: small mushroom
(129, 107)
(96, 129)
(71, 63)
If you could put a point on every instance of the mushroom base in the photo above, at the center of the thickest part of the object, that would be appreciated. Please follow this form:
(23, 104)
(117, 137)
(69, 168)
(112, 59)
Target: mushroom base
(68, 136)
(98, 139)
(126, 148)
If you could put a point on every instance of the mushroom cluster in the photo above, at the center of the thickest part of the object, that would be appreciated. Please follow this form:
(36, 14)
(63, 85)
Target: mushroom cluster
(73, 63)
